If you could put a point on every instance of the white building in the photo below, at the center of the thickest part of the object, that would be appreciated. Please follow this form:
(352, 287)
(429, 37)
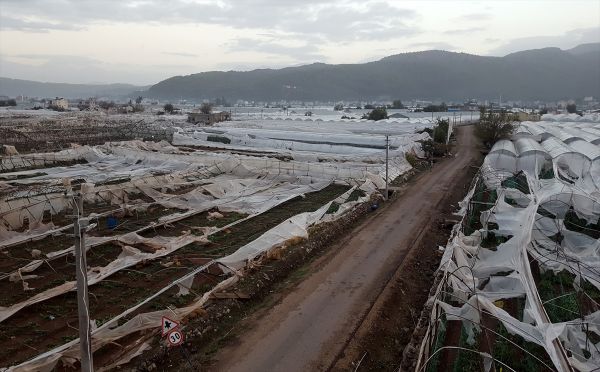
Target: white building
(59, 104)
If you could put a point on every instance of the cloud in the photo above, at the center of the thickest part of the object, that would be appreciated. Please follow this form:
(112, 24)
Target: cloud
(180, 54)
(78, 69)
(340, 20)
(473, 17)
(567, 40)
(297, 51)
(9, 23)
(439, 45)
(461, 31)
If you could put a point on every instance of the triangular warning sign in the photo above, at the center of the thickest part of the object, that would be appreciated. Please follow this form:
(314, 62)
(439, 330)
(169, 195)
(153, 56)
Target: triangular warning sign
(168, 325)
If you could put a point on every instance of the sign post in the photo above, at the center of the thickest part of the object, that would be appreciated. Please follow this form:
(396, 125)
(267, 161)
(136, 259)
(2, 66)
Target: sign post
(168, 325)
(175, 338)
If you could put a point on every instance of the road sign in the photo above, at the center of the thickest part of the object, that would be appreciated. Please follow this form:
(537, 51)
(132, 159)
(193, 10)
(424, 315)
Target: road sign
(175, 338)
(168, 325)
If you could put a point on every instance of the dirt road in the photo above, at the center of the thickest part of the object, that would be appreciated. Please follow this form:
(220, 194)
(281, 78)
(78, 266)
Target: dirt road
(309, 328)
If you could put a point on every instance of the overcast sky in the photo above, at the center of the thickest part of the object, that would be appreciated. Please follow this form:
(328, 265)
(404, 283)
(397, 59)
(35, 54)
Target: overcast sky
(145, 41)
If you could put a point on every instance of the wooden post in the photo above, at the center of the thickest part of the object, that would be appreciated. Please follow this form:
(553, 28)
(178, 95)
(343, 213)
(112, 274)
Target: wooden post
(83, 308)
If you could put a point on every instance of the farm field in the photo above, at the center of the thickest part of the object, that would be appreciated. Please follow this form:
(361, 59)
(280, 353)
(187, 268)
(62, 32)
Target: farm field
(171, 222)
(520, 277)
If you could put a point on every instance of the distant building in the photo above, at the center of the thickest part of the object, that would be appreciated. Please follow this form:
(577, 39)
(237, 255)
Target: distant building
(59, 104)
(198, 117)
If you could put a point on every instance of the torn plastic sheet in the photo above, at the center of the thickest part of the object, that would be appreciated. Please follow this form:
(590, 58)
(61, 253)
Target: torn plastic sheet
(129, 257)
(542, 334)
(295, 227)
(109, 332)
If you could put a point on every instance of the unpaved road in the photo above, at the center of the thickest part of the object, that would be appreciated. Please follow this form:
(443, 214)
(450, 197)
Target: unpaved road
(312, 325)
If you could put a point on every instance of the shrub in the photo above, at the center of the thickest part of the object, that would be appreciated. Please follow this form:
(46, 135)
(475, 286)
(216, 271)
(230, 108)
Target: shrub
(379, 113)
(440, 130)
(432, 148)
(411, 159)
(169, 108)
(397, 104)
(206, 108)
(8, 102)
(436, 108)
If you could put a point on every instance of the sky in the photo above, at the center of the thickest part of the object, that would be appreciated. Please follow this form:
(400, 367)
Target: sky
(145, 41)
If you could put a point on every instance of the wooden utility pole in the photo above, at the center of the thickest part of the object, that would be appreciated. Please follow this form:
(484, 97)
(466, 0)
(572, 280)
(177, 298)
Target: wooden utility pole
(387, 149)
(83, 305)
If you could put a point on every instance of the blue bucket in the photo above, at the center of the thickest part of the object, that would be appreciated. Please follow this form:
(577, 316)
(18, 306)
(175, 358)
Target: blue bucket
(111, 222)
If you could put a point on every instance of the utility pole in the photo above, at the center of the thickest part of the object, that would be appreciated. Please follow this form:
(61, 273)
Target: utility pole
(387, 148)
(83, 308)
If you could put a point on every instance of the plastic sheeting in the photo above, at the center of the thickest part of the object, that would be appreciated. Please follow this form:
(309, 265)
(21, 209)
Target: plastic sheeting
(295, 227)
(129, 257)
(480, 276)
(288, 231)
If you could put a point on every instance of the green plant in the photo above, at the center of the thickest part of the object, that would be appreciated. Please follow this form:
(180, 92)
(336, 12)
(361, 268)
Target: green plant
(333, 208)
(494, 126)
(354, 195)
(221, 139)
(206, 108)
(376, 114)
(169, 108)
(411, 159)
(397, 104)
(440, 130)
(518, 181)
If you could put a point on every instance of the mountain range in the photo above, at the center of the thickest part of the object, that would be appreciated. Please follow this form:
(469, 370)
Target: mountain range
(28, 88)
(546, 74)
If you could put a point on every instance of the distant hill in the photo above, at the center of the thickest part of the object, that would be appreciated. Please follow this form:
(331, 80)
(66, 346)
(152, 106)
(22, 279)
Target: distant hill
(15, 87)
(585, 48)
(545, 74)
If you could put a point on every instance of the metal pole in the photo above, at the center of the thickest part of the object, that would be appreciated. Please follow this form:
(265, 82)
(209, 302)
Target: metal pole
(387, 148)
(83, 308)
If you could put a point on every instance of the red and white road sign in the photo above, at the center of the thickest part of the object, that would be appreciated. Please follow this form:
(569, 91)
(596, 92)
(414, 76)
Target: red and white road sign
(175, 338)
(168, 325)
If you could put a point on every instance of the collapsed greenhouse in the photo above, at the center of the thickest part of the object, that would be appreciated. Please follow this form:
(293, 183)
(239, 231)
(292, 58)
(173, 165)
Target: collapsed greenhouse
(519, 282)
(171, 223)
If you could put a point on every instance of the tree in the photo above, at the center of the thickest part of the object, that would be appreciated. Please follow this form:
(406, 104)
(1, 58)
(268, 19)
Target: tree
(432, 148)
(169, 108)
(139, 100)
(8, 102)
(206, 108)
(338, 107)
(440, 131)
(368, 106)
(106, 105)
(493, 127)
(571, 108)
(436, 108)
(397, 104)
(379, 113)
